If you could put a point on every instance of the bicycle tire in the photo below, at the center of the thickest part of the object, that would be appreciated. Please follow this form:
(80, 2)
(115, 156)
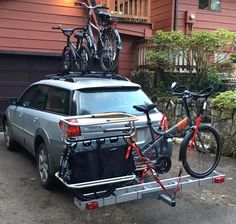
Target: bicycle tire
(110, 53)
(92, 193)
(206, 147)
(83, 58)
(67, 58)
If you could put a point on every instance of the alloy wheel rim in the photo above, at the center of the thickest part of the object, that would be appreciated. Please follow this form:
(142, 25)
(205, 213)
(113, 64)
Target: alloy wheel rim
(43, 166)
(7, 136)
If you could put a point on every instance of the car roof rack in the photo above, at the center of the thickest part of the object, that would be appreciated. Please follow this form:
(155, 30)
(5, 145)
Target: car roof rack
(73, 76)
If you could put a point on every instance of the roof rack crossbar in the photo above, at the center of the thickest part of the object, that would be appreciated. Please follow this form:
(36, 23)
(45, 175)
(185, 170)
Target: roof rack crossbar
(72, 76)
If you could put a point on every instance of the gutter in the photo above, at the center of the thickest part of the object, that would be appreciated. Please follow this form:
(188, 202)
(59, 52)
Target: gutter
(175, 25)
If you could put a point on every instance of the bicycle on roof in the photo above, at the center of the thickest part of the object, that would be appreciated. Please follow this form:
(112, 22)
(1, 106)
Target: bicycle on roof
(106, 46)
(75, 57)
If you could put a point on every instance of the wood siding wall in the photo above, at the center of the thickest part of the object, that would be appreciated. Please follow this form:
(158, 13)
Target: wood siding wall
(127, 56)
(26, 24)
(26, 27)
(208, 20)
(162, 14)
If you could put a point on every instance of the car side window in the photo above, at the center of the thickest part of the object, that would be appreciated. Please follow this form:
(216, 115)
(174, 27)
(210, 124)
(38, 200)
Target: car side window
(39, 100)
(28, 96)
(58, 101)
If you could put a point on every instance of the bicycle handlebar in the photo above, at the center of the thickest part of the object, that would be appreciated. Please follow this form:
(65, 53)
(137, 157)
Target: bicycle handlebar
(196, 95)
(66, 32)
(89, 6)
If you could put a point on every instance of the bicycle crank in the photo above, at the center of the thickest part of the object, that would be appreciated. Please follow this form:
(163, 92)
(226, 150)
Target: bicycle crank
(162, 164)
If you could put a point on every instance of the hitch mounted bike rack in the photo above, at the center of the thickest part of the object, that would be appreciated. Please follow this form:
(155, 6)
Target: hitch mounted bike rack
(150, 190)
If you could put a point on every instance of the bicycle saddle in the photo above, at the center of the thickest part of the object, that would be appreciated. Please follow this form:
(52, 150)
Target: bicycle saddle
(144, 108)
(104, 15)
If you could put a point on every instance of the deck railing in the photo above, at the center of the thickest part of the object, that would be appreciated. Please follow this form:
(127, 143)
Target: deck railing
(136, 10)
(181, 65)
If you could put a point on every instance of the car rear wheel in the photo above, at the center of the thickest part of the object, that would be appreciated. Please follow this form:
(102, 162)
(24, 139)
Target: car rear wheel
(9, 141)
(47, 180)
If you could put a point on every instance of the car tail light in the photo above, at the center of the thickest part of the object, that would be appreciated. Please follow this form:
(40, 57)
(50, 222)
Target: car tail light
(219, 180)
(69, 129)
(92, 205)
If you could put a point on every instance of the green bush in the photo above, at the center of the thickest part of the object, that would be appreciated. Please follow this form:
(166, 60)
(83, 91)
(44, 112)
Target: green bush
(225, 100)
(233, 57)
(145, 79)
(211, 78)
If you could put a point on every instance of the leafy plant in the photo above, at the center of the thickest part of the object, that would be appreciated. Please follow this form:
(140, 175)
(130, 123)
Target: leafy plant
(226, 100)
(145, 79)
(206, 49)
(211, 78)
(210, 48)
(232, 57)
(167, 45)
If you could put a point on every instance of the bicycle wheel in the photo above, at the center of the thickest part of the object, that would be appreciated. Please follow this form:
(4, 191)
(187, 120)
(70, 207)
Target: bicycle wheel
(67, 58)
(110, 53)
(83, 59)
(204, 156)
(91, 193)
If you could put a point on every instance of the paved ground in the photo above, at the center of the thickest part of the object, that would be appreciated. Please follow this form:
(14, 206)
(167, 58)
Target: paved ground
(23, 200)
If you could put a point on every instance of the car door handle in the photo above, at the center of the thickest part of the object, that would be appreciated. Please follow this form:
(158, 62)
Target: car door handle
(20, 115)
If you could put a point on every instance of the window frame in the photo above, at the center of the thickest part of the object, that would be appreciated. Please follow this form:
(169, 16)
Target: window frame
(68, 100)
(209, 7)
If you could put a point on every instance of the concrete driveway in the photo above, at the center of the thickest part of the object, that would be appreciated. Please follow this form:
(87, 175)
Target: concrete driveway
(23, 200)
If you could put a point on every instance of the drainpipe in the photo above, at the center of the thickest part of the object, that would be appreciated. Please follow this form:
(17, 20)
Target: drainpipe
(175, 25)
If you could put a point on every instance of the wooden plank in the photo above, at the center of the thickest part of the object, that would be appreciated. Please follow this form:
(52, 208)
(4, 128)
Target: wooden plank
(40, 8)
(209, 20)
(48, 18)
(32, 45)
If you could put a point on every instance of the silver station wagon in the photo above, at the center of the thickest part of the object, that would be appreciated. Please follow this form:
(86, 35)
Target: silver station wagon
(33, 119)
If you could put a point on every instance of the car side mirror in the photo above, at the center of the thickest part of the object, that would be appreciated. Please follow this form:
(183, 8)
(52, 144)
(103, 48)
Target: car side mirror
(13, 101)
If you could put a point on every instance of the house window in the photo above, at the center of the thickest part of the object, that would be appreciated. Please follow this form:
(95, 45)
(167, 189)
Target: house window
(213, 5)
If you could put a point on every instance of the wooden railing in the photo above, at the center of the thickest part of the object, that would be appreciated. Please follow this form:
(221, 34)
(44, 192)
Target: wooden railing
(180, 61)
(136, 10)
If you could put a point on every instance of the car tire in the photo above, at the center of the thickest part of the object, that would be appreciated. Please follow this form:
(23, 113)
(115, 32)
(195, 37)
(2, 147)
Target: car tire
(9, 141)
(46, 179)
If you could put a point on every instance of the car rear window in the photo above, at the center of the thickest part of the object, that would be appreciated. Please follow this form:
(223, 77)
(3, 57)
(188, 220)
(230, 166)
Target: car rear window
(91, 101)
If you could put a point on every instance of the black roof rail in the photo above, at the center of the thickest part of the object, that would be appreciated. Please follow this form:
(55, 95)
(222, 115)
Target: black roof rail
(73, 76)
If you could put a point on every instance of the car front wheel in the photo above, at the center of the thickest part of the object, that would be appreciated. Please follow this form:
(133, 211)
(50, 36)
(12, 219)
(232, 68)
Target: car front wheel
(46, 178)
(9, 141)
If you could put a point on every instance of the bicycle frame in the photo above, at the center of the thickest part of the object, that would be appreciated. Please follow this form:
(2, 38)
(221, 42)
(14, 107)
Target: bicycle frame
(90, 37)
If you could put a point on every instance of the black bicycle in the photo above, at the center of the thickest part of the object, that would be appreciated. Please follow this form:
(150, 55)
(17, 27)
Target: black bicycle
(75, 57)
(106, 47)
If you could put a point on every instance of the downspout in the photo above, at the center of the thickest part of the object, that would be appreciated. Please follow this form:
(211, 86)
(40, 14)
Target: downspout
(175, 25)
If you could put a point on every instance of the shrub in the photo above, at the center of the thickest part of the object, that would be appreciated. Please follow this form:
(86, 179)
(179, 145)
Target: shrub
(232, 57)
(211, 78)
(145, 79)
(225, 100)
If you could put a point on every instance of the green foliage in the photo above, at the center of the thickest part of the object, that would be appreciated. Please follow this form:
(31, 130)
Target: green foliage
(145, 79)
(206, 48)
(232, 57)
(166, 44)
(225, 100)
(211, 78)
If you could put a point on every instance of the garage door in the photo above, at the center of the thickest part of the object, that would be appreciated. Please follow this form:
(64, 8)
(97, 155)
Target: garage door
(18, 71)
